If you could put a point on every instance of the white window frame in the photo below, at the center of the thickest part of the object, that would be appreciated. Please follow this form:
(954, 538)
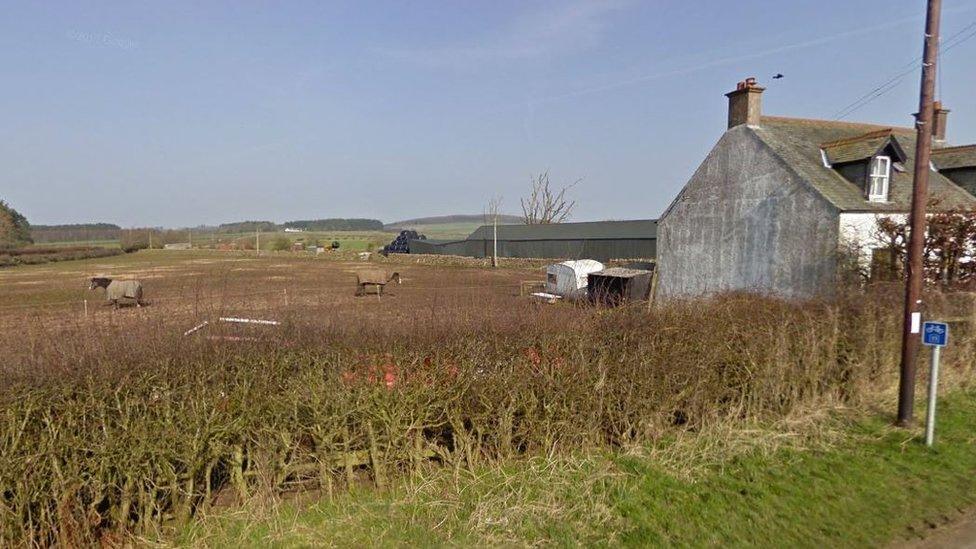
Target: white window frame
(879, 178)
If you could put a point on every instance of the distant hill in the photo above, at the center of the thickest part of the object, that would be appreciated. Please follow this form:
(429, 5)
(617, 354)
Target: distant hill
(247, 227)
(75, 232)
(331, 224)
(450, 219)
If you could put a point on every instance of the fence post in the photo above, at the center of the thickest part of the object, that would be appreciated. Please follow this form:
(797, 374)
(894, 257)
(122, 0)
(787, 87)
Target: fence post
(86, 308)
(286, 297)
(933, 395)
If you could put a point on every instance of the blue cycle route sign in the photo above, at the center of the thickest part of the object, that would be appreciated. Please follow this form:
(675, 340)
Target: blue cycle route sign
(935, 334)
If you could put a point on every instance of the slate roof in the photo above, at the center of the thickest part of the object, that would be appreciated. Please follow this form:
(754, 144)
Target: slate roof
(798, 142)
(592, 230)
(948, 158)
(862, 147)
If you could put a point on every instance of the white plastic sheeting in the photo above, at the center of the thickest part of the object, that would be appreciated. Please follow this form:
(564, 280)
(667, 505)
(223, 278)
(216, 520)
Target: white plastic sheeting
(569, 278)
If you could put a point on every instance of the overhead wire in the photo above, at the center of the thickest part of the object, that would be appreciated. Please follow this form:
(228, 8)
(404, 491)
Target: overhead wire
(892, 82)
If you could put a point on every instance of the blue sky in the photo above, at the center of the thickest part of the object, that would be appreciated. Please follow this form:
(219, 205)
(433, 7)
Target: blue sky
(185, 113)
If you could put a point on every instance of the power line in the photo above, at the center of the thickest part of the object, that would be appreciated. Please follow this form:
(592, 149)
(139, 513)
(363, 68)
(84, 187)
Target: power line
(895, 80)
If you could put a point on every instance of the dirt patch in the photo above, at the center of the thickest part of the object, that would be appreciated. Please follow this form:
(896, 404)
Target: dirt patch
(959, 532)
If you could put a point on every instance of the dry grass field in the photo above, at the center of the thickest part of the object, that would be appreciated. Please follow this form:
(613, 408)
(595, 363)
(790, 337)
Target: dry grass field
(182, 286)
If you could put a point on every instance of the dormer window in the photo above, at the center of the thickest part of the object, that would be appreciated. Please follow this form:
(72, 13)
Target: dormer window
(866, 161)
(878, 179)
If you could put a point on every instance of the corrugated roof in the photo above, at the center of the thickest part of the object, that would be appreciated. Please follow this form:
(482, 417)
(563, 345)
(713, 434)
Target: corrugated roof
(591, 230)
(948, 158)
(798, 141)
(621, 272)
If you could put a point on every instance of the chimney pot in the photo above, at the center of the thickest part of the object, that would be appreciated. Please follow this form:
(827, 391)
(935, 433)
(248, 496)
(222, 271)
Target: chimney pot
(745, 103)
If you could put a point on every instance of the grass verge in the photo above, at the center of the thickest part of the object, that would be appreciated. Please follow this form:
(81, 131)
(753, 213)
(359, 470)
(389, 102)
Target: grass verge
(871, 485)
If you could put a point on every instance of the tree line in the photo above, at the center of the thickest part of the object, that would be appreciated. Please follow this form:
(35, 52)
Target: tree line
(75, 232)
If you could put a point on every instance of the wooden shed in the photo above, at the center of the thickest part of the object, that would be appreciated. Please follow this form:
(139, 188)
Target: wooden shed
(617, 285)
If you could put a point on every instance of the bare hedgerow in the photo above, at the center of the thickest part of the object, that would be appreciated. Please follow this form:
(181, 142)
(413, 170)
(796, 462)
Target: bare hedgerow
(132, 427)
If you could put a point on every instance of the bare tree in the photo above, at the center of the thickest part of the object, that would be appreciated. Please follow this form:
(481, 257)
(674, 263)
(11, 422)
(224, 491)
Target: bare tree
(543, 205)
(949, 255)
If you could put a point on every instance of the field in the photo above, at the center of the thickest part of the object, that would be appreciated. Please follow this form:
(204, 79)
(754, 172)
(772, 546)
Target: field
(185, 283)
(453, 227)
(348, 240)
(69, 244)
(487, 417)
(447, 231)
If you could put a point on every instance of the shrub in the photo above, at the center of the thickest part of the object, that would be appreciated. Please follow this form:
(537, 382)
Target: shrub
(280, 244)
(949, 247)
(37, 256)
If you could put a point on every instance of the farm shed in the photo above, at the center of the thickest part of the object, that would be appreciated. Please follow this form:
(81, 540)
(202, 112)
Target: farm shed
(417, 246)
(617, 285)
(569, 278)
(599, 240)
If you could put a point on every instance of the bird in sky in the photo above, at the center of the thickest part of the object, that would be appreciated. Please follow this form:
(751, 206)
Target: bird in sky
(778, 76)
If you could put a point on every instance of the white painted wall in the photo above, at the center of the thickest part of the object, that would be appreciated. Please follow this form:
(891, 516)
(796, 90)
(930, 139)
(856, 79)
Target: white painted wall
(861, 228)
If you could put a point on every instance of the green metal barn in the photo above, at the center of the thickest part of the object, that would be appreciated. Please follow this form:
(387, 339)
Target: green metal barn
(600, 240)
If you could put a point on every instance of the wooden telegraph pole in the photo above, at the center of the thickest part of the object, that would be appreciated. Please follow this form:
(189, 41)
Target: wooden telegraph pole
(494, 241)
(916, 240)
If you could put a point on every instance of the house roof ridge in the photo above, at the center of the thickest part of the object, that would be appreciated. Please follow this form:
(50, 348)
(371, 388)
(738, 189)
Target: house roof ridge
(839, 123)
(954, 148)
(886, 132)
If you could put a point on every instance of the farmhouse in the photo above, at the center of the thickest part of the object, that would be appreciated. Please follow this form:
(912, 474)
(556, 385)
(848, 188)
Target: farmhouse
(777, 198)
(599, 240)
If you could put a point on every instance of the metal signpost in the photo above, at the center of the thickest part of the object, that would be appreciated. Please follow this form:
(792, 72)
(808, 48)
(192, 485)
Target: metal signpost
(935, 335)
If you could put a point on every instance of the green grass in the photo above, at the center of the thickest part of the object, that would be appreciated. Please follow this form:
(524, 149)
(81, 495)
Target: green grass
(448, 231)
(872, 486)
(348, 240)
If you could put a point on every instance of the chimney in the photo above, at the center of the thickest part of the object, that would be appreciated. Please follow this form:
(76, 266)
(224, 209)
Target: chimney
(939, 120)
(745, 103)
(939, 116)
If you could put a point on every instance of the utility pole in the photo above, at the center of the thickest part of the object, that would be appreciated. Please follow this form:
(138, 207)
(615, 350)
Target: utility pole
(257, 241)
(493, 206)
(494, 243)
(150, 238)
(189, 235)
(916, 239)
